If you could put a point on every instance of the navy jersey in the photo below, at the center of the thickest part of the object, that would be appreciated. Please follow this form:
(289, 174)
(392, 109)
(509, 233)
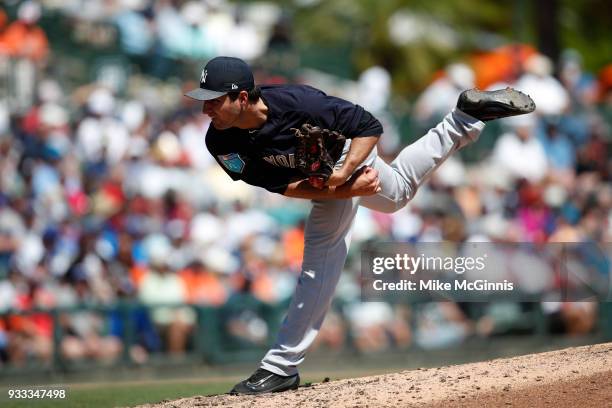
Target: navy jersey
(266, 157)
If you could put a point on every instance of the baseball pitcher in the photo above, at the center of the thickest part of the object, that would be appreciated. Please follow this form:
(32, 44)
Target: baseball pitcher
(297, 141)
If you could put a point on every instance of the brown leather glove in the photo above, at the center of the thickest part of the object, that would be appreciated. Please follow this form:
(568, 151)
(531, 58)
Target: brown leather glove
(317, 152)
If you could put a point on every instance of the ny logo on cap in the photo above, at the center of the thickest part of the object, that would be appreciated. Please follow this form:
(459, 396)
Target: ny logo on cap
(203, 77)
(234, 86)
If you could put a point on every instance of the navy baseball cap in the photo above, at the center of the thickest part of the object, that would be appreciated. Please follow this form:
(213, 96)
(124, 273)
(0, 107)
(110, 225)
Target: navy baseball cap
(222, 75)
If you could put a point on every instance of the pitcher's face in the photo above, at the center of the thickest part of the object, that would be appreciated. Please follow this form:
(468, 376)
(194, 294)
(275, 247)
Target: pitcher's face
(223, 112)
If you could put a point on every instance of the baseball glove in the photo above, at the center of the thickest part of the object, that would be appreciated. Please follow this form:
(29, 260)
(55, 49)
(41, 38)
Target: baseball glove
(317, 152)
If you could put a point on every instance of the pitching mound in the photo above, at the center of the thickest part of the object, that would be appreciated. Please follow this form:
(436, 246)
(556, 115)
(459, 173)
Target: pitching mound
(574, 377)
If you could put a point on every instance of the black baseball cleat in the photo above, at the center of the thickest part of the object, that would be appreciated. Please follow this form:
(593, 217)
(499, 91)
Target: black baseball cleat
(489, 105)
(263, 381)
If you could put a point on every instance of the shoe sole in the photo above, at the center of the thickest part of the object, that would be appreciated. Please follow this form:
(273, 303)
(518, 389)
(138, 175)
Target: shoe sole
(512, 101)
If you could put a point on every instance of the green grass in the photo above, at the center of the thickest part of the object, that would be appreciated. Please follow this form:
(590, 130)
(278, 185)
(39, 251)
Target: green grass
(119, 395)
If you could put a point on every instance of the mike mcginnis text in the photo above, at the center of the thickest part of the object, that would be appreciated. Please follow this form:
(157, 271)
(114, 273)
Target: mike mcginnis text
(438, 285)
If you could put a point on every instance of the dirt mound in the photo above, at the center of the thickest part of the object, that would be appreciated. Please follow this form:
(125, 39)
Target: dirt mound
(580, 376)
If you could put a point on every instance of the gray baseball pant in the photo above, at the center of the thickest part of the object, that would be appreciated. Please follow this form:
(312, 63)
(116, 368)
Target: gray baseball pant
(328, 233)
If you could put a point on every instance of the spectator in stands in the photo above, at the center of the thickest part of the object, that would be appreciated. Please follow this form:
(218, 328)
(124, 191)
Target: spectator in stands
(438, 97)
(30, 334)
(102, 139)
(376, 326)
(10, 224)
(580, 85)
(441, 325)
(137, 32)
(163, 289)
(254, 276)
(26, 44)
(175, 33)
(86, 336)
(519, 152)
(81, 197)
(23, 38)
(560, 151)
(203, 284)
(131, 322)
(85, 333)
(532, 214)
(550, 97)
(3, 343)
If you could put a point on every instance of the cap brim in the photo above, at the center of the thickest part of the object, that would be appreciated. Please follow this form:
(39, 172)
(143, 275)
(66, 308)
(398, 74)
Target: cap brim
(204, 94)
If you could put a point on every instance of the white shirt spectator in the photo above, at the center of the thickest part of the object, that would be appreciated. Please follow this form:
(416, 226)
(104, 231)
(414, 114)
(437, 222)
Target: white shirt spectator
(102, 134)
(29, 254)
(521, 154)
(105, 135)
(206, 228)
(245, 41)
(11, 222)
(8, 295)
(548, 94)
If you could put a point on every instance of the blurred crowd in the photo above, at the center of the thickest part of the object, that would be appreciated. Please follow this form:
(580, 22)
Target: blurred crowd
(109, 196)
